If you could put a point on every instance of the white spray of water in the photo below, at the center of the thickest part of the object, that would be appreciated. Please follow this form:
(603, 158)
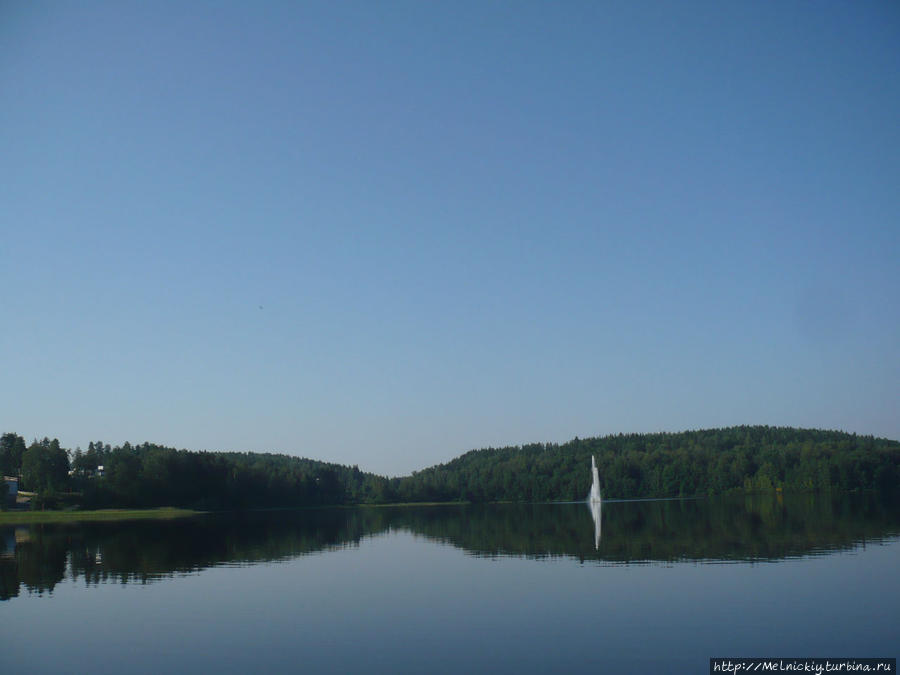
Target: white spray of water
(595, 503)
(595, 487)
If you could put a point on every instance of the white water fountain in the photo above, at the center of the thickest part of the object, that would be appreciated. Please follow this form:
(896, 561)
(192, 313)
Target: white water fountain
(595, 503)
(595, 486)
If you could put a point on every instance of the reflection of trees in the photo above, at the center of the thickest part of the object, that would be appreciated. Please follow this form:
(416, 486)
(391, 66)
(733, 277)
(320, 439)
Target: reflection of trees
(9, 578)
(755, 528)
(38, 562)
(143, 550)
(752, 528)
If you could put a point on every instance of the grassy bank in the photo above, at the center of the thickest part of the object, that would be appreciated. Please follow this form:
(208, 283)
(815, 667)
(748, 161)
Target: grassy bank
(30, 517)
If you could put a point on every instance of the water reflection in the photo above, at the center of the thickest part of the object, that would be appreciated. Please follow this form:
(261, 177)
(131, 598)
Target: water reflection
(38, 557)
(596, 513)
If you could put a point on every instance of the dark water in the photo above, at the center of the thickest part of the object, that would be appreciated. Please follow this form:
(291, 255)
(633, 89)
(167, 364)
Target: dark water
(500, 588)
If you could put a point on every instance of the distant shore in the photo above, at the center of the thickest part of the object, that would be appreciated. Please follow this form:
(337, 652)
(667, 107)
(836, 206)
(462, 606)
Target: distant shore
(36, 517)
(166, 513)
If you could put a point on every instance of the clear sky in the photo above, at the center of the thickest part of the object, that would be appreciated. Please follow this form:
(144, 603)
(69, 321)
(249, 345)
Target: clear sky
(384, 233)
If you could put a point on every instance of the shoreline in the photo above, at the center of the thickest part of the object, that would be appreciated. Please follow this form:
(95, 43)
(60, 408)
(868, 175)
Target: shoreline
(100, 515)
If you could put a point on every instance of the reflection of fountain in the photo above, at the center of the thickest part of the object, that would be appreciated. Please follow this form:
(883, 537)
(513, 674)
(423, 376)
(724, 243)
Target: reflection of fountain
(595, 513)
(595, 502)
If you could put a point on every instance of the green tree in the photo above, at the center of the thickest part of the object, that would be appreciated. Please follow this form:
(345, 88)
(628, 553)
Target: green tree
(45, 466)
(12, 448)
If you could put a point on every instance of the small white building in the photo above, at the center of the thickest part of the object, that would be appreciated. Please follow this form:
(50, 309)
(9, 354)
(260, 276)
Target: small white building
(12, 487)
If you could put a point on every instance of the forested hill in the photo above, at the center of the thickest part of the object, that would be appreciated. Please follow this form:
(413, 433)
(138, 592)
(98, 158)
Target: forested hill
(152, 475)
(712, 461)
(689, 463)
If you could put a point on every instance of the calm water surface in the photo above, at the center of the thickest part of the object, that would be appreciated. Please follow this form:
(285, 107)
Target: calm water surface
(653, 586)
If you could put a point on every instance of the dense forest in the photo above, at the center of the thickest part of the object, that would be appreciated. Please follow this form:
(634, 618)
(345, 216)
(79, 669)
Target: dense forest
(691, 463)
(151, 475)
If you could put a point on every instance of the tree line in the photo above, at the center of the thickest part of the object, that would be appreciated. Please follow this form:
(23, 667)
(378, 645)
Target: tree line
(691, 463)
(150, 475)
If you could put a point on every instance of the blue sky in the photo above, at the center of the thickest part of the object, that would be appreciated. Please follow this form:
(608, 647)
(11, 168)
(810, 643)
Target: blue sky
(386, 233)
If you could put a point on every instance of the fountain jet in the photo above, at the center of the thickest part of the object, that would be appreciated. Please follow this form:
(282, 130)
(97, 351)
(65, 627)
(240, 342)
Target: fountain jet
(595, 502)
(594, 497)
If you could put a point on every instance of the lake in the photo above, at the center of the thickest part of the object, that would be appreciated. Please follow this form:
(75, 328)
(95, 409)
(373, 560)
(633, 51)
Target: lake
(637, 586)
